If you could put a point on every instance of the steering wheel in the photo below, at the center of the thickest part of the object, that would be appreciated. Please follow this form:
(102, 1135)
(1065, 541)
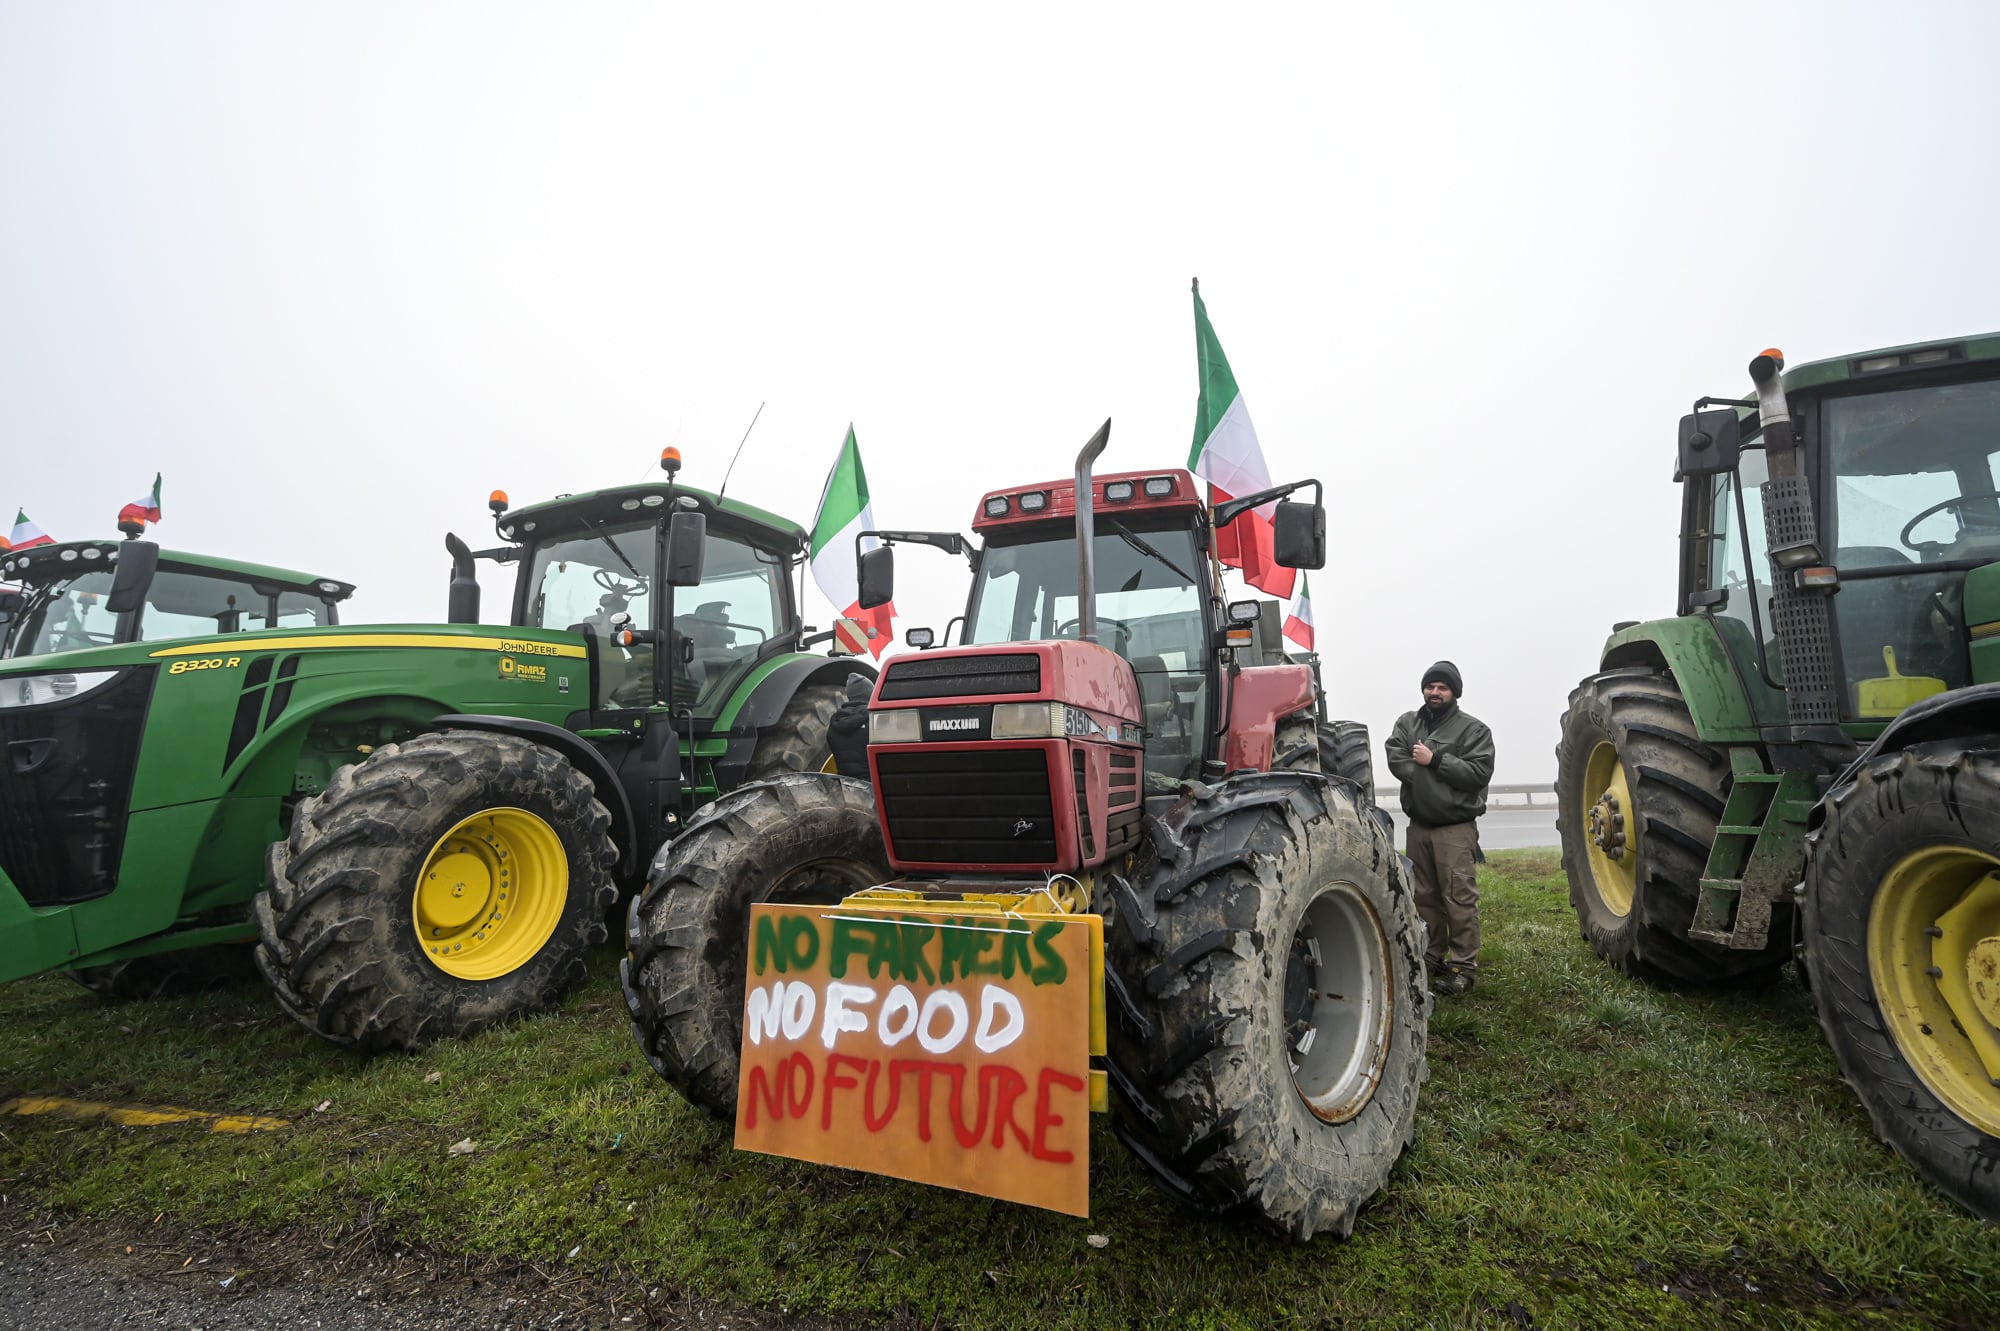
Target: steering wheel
(1955, 501)
(1063, 629)
(611, 582)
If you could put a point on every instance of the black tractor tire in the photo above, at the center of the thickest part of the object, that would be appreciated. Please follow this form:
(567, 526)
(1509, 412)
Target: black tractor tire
(1902, 840)
(801, 838)
(1295, 747)
(1344, 751)
(338, 920)
(796, 741)
(1213, 949)
(1629, 740)
(193, 970)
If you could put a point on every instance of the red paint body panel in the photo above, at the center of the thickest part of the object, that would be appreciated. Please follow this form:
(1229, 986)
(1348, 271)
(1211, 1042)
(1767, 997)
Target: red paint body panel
(1083, 675)
(1260, 696)
(1187, 497)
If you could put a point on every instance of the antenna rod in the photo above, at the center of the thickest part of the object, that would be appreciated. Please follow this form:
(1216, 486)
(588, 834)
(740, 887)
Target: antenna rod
(739, 450)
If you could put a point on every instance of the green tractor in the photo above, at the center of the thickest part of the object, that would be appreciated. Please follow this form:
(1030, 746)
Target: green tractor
(422, 827)
(1805, 761)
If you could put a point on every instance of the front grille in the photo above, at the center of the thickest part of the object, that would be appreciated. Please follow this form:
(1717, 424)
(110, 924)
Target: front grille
(962, 676)
(971, 806)
(66, 773)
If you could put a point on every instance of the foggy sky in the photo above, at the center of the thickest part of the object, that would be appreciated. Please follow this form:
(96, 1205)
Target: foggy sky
(338, 271)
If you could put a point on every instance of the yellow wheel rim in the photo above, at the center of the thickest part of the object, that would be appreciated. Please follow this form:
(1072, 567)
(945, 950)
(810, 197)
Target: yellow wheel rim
(1934, 957)
(829, 766)
(490, 894)
(1611, 829)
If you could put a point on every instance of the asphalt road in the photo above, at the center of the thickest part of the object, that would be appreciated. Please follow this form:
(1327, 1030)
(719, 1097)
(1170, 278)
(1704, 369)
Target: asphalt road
(1510, 827)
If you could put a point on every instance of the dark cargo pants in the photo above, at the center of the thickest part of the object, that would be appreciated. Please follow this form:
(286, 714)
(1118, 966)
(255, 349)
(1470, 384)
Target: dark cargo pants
(1447, 888)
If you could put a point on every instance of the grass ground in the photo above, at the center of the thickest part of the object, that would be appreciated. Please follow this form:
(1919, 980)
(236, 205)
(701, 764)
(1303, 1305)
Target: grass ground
(1590, 1153)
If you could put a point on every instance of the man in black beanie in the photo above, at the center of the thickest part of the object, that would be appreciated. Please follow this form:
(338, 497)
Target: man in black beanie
(1443, 755)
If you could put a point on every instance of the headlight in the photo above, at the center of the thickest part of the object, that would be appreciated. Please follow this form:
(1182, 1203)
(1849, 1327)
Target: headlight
(34, 690)
(1045, 720)
(1027, 720)
(898, 725)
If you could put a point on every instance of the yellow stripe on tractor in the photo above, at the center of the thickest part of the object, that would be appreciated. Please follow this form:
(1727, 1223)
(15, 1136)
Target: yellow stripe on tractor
(353, 640)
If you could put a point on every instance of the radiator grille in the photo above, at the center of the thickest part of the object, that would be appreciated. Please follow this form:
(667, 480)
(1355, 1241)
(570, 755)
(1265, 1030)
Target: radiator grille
(962, 676)
(970, 806)
(66, 772)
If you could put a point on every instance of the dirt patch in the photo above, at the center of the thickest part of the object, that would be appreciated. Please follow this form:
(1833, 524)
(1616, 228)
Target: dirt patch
(61, 1271)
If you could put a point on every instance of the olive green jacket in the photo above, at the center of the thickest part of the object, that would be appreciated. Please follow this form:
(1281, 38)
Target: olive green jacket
(1453, 788)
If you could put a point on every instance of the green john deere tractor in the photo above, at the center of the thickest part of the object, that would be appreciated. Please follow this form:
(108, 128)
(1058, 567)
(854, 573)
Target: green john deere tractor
(439, 816)
(1806, 759)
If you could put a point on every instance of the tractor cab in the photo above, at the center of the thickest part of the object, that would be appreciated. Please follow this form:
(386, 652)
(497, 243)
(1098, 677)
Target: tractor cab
(1899, 453)
(700, 673)
(1096, 642)
(71, 595)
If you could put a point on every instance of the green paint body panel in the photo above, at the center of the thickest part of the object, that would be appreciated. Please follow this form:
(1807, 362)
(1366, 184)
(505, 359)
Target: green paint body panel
(1982, 606)
(200, 816)
(1693, 650)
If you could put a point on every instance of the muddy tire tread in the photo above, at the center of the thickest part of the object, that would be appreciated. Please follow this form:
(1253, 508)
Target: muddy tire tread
(333, 918)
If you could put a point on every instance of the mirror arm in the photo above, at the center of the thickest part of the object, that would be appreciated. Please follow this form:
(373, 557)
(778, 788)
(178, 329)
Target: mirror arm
(1230, 510)
(948, 541)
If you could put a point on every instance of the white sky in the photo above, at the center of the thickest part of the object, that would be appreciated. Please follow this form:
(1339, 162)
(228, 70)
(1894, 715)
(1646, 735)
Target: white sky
(340, 270)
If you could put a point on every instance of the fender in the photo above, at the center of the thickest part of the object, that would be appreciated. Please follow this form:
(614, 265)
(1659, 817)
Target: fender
(1259, 695)
(1691, 649)
(581, 752)
(764, 696)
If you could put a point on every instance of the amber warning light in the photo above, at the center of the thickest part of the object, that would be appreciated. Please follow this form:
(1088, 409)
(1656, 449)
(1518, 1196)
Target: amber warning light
(497, 501)
(670, 460)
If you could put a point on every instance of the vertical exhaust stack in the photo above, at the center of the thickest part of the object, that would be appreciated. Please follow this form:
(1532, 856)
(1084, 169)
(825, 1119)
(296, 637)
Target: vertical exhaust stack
(1086, 536)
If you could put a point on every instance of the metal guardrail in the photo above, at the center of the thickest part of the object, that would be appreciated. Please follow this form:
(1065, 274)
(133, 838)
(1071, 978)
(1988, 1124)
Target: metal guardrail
(1532, 795)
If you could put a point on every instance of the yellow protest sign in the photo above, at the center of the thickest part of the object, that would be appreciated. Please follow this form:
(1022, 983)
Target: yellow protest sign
(942, 1048)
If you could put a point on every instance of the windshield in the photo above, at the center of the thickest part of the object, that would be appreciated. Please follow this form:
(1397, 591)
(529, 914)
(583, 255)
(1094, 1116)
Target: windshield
(1149, 611)
(723, 624)
(68, 613)
(1913, 485)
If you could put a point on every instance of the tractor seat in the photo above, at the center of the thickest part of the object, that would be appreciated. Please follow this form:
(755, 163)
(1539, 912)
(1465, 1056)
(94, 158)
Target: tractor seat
(1156, 694)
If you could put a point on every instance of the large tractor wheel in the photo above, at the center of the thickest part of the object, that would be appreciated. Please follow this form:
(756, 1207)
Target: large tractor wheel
(191, 970)
(1264, 970)
(1638, 797)
(1344, 752)
(440, 886)
(796, 741)
(802, 838)
(1902, 932)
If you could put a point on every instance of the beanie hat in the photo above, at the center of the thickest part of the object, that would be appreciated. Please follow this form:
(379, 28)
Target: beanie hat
(1445, 673)
(859, 687)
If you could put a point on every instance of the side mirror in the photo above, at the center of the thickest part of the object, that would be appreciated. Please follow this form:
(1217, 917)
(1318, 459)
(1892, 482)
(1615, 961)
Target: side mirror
(137, 562)
(878, 576)
(687, 540)
(1299, 536)
(847, 635)
(920, 639)
(1710, 443)
(462, 596)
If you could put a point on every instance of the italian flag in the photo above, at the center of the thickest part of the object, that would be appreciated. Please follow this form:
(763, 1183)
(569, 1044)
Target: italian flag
(146, 508)
(26, 534)
(1226, 455)
(1299, 624)
(844, 512)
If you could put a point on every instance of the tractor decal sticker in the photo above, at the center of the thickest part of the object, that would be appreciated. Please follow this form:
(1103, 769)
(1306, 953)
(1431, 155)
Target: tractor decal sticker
(532, 671)
(332, 641)
(951, 1050)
